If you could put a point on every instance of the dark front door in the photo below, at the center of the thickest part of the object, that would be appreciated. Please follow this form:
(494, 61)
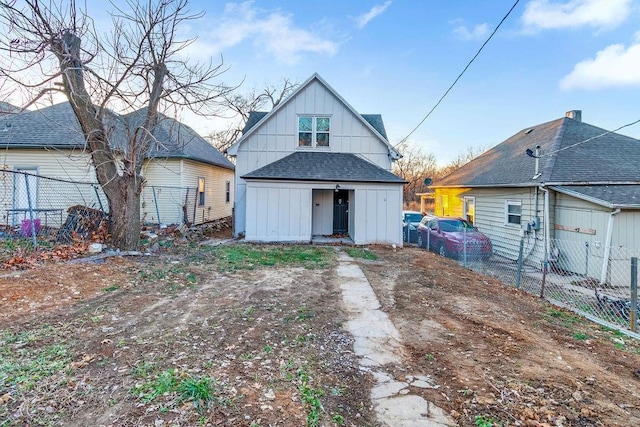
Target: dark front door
(341, 212)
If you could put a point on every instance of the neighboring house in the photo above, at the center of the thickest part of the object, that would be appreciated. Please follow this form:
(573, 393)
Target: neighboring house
(187, 179)
(575, 194)
(315, 167)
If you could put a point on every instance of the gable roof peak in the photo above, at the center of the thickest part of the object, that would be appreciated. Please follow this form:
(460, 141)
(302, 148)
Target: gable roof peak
(395, 154)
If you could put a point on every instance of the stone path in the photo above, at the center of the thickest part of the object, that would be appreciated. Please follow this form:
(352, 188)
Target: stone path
(378, 343)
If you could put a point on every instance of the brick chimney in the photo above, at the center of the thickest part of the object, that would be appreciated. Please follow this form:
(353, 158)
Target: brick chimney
(575, 115)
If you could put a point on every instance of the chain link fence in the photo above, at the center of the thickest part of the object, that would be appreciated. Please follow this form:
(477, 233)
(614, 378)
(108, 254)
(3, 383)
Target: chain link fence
(169, 205)
(599, 283)
(39, 211)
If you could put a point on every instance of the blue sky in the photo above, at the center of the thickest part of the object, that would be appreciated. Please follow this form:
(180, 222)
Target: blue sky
(398, 57)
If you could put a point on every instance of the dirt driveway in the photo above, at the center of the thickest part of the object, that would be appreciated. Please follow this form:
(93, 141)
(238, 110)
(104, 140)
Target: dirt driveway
(204, 335)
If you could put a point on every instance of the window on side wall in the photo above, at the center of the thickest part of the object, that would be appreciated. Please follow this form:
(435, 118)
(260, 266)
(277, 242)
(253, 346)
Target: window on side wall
(512, 212)
(314, 131)
(201, 191)
(470, 209)
(227, 192)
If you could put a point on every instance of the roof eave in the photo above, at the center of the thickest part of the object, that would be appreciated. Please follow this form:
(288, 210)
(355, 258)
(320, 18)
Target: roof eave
(595, 200)
(251, 178)
(194, 159)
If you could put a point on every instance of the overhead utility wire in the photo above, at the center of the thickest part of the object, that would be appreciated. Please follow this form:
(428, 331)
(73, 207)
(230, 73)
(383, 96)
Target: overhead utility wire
(460, 75)
(590, 139)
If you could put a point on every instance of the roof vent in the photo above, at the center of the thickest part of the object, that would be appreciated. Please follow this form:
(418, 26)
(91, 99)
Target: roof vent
(575, 115)
(528, 131)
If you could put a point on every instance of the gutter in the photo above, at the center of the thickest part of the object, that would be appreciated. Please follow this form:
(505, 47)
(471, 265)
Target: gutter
(607, 247)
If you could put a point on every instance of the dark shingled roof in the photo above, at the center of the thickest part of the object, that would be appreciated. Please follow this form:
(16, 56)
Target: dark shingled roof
(581, 159)
(57, 127)
(614, 196)
(375, 120)
(324, 166)
(54, 126)
(565, 158)
(6, 108)
(177, 140)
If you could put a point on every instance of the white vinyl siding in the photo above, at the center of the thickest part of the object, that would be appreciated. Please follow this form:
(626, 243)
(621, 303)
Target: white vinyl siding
(172, 177)
(51, 197)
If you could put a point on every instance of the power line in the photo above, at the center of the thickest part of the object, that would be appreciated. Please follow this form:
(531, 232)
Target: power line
(590, 139)
(459, 75)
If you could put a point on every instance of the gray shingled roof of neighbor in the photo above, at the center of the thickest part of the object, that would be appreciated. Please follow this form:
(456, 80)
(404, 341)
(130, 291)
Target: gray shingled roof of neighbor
(374, 120)
(57, 127)
(571, 152)
(177, 140)
(6, 108)
(54, 126)
(581, 159)
(324, 166)
(613, 196)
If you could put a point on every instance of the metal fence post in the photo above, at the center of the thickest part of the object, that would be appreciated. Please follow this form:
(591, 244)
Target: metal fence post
(155, 202)
(464, 245)
(520, 253)
(633, 310)
(31, 219)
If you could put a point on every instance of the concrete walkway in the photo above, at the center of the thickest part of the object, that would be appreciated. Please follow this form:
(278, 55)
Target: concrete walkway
(378, 343)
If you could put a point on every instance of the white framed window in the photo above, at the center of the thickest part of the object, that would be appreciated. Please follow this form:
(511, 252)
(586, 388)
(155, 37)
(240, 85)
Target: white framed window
(512, 212)
(469, 206)
(201, 192)
(227, 192)
(314, 131)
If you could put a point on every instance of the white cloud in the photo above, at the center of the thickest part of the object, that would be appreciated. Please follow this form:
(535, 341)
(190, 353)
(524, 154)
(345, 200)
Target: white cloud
(613, 66)
(376, 10)
(478, 32)
(543, 14)
(275, 32)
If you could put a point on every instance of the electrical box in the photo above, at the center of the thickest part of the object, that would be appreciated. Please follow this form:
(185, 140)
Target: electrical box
(536, 223)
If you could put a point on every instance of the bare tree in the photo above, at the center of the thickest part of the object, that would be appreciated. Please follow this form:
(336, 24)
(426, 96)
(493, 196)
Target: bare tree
(239, 106)
(54, 47)
(462, 159)
(414, 167)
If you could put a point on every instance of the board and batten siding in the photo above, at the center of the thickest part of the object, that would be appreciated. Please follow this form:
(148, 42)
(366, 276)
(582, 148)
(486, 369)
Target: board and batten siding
(175, 183)
(282, 211)
(377, 215)
(583, 236)
(278, 137)
(278, 212)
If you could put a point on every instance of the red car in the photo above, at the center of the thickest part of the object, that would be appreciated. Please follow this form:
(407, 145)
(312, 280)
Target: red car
(453, 237)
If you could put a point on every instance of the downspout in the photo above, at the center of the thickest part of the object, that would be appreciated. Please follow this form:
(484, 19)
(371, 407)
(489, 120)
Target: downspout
(607, 247)
(547, 225)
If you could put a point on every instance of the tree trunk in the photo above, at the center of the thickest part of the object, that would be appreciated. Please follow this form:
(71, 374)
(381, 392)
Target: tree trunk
(121, 188)
(124, 211)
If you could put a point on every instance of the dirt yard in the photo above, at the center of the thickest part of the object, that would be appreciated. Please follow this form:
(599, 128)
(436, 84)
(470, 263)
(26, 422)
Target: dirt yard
(199, 336)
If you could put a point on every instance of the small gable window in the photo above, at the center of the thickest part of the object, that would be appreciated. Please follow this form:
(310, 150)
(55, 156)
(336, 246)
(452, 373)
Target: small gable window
(314, 131)
(513, 212)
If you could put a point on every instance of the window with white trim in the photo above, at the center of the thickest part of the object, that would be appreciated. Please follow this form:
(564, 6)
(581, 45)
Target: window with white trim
(227, 192)
(469, 207)
(313, 131)
(201, 191)
(512, 212)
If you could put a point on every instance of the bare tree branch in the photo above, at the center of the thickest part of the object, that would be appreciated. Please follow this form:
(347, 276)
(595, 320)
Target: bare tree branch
(54, 46)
